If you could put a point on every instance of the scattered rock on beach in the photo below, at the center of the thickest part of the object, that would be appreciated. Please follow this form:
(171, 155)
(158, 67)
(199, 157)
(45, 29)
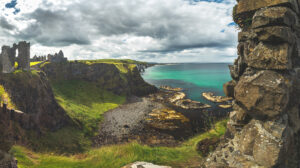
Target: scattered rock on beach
(217, 99)
(169, 88)
(144, 165)
(190, 104)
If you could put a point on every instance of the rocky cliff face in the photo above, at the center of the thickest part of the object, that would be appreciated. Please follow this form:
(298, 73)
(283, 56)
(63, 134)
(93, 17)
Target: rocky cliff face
(33, 97)
(107, 76)
(35, 110)
(264, 128)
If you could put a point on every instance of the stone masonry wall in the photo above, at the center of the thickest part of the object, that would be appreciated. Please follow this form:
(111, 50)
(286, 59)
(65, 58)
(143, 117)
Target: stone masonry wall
(8, 57)
(264, 128)
(24, 56)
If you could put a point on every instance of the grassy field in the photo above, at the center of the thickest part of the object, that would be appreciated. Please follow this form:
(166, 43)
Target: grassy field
(117, 156)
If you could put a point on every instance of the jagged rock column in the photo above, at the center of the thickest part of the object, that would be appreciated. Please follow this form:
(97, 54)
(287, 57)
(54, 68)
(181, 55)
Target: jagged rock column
(264, 128)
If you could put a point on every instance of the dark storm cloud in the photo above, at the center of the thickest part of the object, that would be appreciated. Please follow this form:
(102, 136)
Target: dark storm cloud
(120, 28)
(5, 25)
(176, 31)
(54, 28)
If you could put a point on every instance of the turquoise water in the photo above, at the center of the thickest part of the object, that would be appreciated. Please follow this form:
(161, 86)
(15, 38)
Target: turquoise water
(194, 78)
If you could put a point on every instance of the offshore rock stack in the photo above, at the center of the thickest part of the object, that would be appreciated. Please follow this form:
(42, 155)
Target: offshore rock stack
(264, 128)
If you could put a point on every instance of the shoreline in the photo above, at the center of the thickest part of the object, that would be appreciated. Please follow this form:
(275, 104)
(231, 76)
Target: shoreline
(155, 120)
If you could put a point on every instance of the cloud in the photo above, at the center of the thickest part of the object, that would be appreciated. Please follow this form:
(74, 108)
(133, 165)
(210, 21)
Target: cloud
(5, 25)
(146, 30)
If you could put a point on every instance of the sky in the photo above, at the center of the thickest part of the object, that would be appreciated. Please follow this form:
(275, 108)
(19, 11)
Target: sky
(145, 30)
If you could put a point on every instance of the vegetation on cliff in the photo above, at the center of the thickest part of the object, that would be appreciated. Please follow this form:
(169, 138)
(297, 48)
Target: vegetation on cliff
(85, 102)
(116, 156)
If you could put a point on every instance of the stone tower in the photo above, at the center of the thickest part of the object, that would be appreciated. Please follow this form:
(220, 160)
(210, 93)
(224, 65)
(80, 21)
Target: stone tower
(24, 56)
(8, 59)
(264, 128)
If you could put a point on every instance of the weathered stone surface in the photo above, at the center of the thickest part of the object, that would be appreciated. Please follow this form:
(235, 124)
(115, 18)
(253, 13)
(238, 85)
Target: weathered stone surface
(266, 56)
(263, 94)
(264, 128)
(246, 35)
(7, 65)
(274, 16)
(144, 165)
(239, 66)
(247, 139)
(24, 55)
(276, 34)
(270, 143)
(229, 88)
(246, 6)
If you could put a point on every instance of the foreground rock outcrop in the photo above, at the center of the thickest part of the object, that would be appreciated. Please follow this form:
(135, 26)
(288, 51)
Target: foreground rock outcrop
(144, 165)
(264, 128)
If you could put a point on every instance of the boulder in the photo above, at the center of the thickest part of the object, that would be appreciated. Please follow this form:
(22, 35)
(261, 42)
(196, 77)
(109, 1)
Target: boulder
(144, 165)
(248, 6)
(274, 16)
(276, 34)
(267, 56)
(265, 93)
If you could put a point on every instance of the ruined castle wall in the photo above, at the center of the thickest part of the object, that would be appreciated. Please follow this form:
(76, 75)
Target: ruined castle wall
(265, 123)
(24, 56)
(7, 55)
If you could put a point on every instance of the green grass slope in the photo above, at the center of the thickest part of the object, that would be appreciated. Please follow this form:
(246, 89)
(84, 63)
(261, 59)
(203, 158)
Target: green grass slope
(85, 102)
(117, 156)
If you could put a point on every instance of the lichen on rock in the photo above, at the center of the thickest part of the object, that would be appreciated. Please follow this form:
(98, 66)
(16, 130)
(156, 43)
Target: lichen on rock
(263, 130)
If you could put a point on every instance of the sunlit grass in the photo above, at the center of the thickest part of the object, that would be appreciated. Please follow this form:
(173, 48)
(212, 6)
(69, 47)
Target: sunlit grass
(116, 156)
(31, 63)
(85, 102)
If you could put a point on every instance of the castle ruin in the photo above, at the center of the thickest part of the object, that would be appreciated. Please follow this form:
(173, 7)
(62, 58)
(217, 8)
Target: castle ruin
(57, 57)
(8, 57)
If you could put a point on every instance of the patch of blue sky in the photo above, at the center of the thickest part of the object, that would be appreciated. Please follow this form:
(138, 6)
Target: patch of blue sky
(12, 5)
(232, 24)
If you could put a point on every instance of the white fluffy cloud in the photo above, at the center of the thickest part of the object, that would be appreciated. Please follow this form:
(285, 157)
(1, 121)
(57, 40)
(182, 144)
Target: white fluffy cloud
(153, 30)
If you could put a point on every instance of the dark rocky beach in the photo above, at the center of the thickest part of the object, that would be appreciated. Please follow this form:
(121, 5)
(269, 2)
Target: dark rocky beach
(165, 118)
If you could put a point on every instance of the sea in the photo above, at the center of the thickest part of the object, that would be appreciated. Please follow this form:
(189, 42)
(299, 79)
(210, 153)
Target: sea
(193, 78)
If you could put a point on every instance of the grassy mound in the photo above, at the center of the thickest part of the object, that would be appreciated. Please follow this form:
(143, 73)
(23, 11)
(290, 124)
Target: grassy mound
(117, 156)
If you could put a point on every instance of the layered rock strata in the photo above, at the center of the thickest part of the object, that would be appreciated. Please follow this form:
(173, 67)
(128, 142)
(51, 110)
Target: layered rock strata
(264, 128)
